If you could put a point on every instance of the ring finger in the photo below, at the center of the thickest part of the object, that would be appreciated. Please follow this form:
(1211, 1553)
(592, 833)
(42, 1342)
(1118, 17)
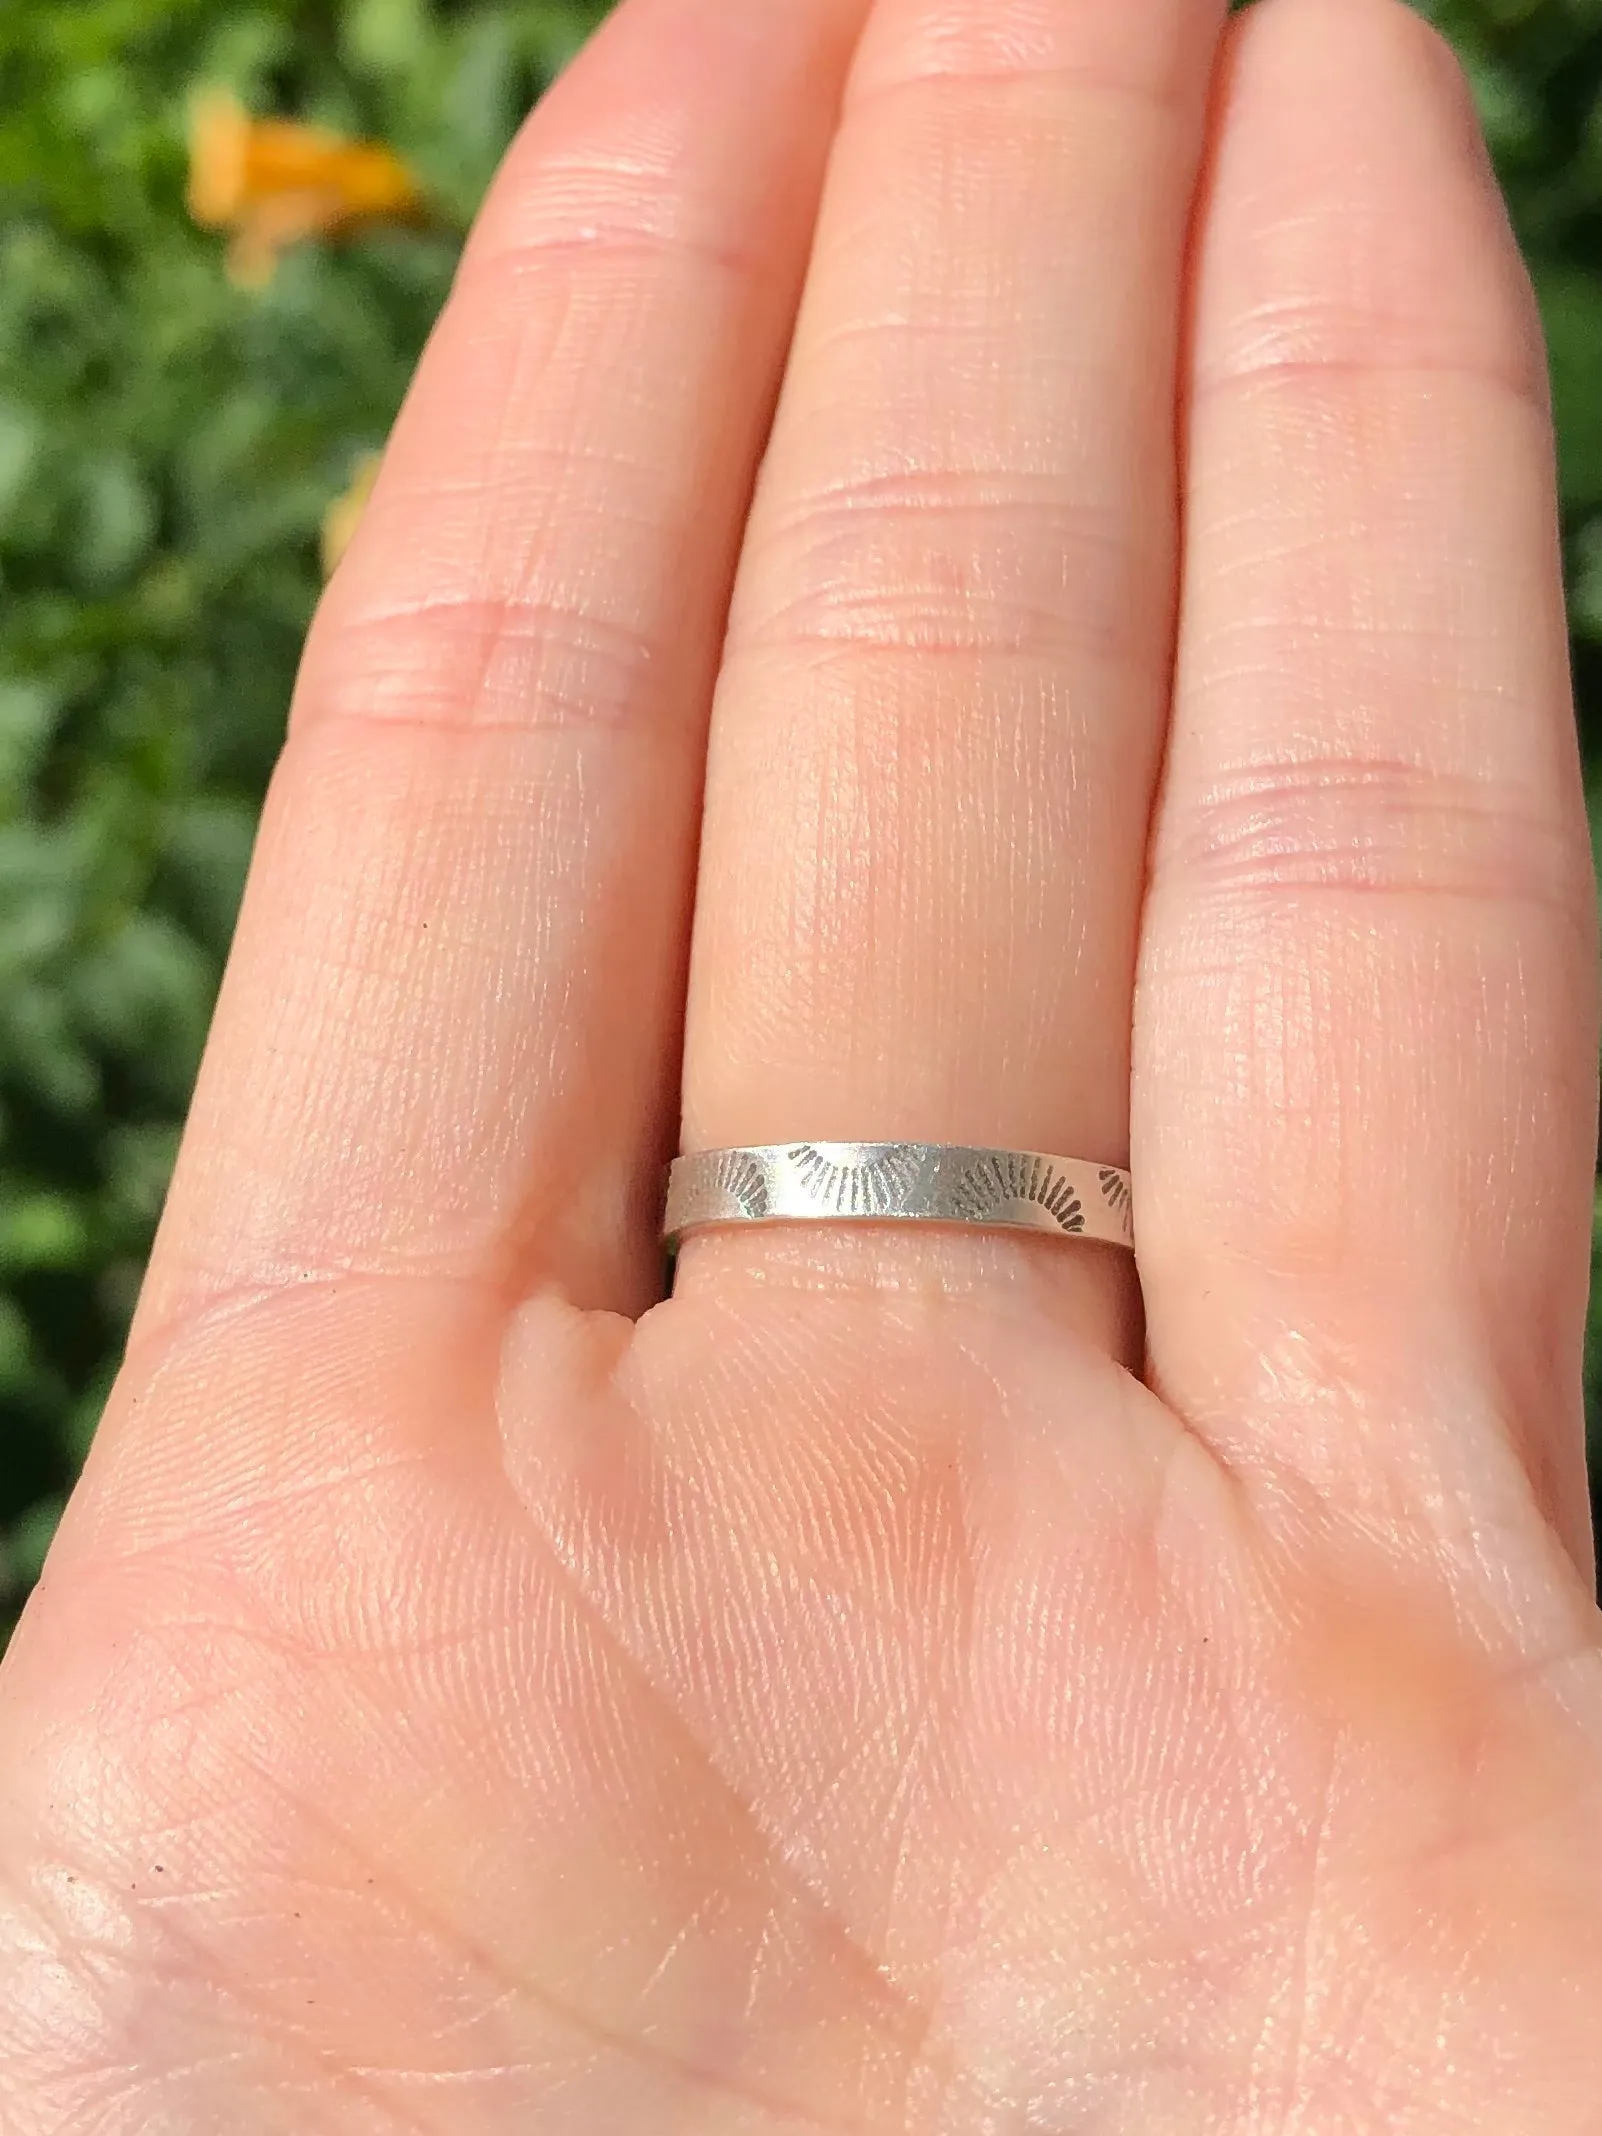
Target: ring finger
(943, 698)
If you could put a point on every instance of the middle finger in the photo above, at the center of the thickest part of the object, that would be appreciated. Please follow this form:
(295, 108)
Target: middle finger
(943, 699)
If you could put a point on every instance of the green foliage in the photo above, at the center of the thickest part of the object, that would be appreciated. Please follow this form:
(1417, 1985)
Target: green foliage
(1536, 67)
(168, 445)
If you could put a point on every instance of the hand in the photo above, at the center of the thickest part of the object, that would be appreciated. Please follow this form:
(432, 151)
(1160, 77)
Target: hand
(844, 1698)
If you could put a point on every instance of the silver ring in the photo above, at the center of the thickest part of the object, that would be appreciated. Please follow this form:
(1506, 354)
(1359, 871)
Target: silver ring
(900, 1183)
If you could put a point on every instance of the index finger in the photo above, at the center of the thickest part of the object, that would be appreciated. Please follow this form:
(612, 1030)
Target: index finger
(444, 1044)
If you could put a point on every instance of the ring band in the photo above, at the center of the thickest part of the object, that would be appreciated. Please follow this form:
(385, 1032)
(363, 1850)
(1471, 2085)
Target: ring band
(900, 1183)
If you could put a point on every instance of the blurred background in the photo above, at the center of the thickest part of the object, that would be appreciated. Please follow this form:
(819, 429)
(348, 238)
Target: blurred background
(225, 229)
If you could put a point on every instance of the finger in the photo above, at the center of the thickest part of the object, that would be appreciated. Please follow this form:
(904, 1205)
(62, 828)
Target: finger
(1364, 1096)
(445, 1041)
(945, 686)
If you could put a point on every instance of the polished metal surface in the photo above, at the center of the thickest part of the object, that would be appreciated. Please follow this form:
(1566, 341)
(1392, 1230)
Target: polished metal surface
(900, 1183)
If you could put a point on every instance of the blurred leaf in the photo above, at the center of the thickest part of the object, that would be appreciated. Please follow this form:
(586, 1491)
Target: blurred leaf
(140, 1160)
(40, 1231)
(28, 1543)
(145, 991)
(28, 713)
(240, 48)
(117, 519)
(555, 29)
(1509, 110)
(208, 852)
(16, 1346)
(1585, 587)
(21, 438)
(41, 1053)
(480, 106)
(1571, 304)
(83, 1417)
(387, 36)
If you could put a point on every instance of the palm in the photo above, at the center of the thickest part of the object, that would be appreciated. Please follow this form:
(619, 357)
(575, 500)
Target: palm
(734, 1731)
(845, 1697)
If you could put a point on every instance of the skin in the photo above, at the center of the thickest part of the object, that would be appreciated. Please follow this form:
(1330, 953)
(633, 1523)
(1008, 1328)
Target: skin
(469, 1694)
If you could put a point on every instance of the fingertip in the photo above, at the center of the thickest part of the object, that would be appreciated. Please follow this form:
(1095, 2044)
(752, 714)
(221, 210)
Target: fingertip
(666, 80)
(1352, 213)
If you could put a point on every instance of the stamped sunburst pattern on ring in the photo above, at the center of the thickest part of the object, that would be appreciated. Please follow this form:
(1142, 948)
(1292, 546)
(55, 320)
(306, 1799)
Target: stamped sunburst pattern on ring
(1116, 1194)
(1015, 1189)
(738, 1178)
(876, 1183)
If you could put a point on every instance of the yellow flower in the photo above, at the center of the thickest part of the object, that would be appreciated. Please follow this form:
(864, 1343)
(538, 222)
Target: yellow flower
(344, 515)
(272, 182)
